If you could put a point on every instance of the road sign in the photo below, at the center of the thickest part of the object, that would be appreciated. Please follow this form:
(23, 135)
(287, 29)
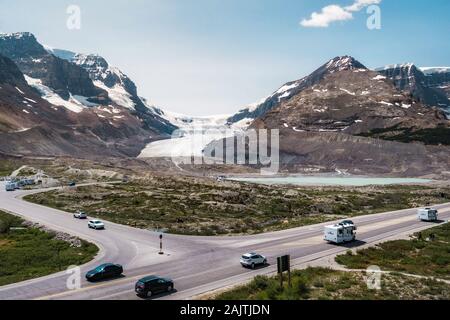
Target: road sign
(284, 263)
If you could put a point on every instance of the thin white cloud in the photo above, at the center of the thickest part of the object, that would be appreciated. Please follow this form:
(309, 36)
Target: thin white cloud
(361, 4)
(335, 13)
(328, 15)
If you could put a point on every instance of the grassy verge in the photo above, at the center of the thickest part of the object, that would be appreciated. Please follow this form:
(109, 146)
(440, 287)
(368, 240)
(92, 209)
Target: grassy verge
(27, 253)
(203, 207)
(326, 284)
(417, 256)
(7, 167)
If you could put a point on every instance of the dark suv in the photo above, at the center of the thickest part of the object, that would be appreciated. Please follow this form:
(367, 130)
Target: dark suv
(104, 271)
(148, 286)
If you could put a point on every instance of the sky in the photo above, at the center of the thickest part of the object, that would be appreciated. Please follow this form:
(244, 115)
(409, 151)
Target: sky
(205, 57)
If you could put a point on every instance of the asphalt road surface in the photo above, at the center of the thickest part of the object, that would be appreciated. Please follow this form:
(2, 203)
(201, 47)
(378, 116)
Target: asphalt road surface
(196, 264)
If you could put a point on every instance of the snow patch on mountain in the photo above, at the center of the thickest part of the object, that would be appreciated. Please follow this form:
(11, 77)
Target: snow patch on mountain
(74, 104)
(347, 91)
(104, 76)
(432, 70)
(395, 66)
(379, 77)
(118, 94)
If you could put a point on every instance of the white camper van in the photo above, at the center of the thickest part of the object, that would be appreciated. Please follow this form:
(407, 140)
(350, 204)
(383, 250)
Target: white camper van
(340, 233)
(427, 214)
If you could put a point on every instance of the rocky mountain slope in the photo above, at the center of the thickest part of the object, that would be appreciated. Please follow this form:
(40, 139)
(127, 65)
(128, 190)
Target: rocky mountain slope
(30, 125)
(352, 101)
(292, 88)
(429, 86)
(53, 106)
(355, 119)
(66, 79)
(120, 88)
(438, 78)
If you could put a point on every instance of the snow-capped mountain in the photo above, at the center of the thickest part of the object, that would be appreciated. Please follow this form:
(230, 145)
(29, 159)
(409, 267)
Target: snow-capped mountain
(354, 119)
(433, 70)
(428, 85)
(352, 101)
(438, 78)
(290, 89)
(96, 107)
(120, 88)
(431, 86)
(65, 79)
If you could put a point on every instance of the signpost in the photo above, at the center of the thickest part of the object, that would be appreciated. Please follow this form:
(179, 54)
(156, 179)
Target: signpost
(160, 244)
(284, 264)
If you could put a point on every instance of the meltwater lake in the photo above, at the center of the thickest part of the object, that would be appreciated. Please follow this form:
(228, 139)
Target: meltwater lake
(331, 181)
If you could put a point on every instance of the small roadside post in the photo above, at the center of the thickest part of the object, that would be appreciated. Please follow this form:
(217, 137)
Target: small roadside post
(284, 264)
(160, 244)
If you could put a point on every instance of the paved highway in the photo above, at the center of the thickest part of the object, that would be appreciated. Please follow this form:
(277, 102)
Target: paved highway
(196, 264)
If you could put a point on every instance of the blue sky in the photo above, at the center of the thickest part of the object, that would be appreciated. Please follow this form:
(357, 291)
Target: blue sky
(205, 57)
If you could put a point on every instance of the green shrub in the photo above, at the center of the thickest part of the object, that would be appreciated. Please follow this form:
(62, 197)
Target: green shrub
(4, 227)
(260, 283)
(301, 287)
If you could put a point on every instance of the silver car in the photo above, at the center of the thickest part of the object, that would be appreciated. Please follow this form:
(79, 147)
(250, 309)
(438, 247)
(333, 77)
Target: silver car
(80, 215)
(251, 260)
(96, 224)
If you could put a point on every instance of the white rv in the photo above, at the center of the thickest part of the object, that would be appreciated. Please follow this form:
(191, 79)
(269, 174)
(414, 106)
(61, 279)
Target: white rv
(427, 214)
(340, 233)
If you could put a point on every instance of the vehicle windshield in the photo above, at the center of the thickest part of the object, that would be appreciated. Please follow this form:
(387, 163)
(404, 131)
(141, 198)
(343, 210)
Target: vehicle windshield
(245, 257)
(100, 268)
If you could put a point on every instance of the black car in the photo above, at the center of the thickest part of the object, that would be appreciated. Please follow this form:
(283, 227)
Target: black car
(104, 271)
(148, 286)
(348, 222)
(72, 184)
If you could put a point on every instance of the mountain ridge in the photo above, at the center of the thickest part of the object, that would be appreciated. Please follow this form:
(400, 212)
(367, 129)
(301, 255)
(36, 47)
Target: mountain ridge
(292, 88)
(423, 86)
(37, 119)
(71, 77)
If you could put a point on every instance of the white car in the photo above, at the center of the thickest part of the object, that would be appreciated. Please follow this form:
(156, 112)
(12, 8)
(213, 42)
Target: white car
(96, 224)
(80, 215)
(251, 260)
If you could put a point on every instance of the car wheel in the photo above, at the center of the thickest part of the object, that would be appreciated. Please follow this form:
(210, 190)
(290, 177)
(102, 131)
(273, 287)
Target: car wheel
(253, 266)
(169, 288)
(149, 293)
(264, 262)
